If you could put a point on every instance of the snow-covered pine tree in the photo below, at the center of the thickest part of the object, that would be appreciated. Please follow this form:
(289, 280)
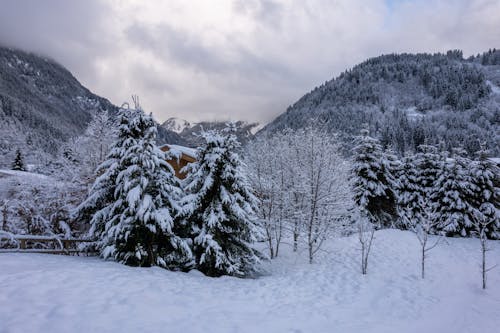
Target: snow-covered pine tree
(450, 196)
(409, 194)
(18, 163)
(417, 184)
(372, 185)
(133, 204)
(429, 165)
(394, 166)
(219, 205)
(485, 199)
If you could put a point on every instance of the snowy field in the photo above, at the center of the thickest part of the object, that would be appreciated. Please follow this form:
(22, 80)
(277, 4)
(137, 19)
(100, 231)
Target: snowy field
(47, 293)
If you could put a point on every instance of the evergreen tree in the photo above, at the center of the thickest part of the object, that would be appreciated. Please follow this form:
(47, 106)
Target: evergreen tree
(18, 163)
(450, 197)
(485, 199)
(372, 185)
(418, 184)
(220, 208)
(429, 164)
(133, 204)
(410, 198)
(394, 166)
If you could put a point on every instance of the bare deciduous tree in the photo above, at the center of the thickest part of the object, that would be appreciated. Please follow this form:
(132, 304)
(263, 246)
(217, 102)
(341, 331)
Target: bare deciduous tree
(422, 226)
(482, 225)
(323, 182)
(366, 232)
(302, 183)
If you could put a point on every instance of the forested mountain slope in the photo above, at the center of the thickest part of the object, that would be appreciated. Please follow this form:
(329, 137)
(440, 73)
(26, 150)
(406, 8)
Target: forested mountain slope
(408, 100)
(42, 105)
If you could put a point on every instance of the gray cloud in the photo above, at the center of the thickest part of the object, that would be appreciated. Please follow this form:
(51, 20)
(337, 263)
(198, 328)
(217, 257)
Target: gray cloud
(71, 32)
(266, 12)
(234, 59)
(169, 44)
(166, 43)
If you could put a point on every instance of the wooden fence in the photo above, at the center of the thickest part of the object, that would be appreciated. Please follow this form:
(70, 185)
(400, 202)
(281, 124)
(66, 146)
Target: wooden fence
(28, 243)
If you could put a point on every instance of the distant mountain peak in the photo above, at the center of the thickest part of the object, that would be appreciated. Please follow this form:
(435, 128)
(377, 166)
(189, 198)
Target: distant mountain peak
(188, 130)
(176, 125)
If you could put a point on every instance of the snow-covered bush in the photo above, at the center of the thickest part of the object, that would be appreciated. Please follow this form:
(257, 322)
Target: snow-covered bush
(40, 207)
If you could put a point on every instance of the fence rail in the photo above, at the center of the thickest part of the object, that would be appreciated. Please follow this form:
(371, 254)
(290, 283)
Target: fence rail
(60, 245)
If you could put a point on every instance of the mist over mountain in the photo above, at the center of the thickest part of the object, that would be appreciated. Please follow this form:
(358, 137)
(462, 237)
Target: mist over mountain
(42, 105)
(407, 100)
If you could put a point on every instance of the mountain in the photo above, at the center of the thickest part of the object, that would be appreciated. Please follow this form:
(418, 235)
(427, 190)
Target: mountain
(188, 131)
(42, 105)
(407, 100)
(176, 125)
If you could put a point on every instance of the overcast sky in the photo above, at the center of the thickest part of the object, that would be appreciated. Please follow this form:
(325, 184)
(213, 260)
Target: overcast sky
(234, 59)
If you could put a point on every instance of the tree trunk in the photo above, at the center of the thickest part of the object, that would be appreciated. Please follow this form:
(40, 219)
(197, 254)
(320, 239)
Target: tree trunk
(423, 261)
(310, 242)
(4, 217)
(278, 240)
(271, 251)
(483, 249)
(363, 262)
(311, 253)
(295, 240)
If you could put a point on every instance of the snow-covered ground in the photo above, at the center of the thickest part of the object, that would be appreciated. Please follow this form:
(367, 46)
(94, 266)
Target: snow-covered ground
(7, 172)
(47, 293)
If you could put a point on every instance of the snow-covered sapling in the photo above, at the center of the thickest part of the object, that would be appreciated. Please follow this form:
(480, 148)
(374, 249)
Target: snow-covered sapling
(366, 232)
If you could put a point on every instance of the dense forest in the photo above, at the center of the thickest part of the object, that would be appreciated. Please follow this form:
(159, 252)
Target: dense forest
(408, 100)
